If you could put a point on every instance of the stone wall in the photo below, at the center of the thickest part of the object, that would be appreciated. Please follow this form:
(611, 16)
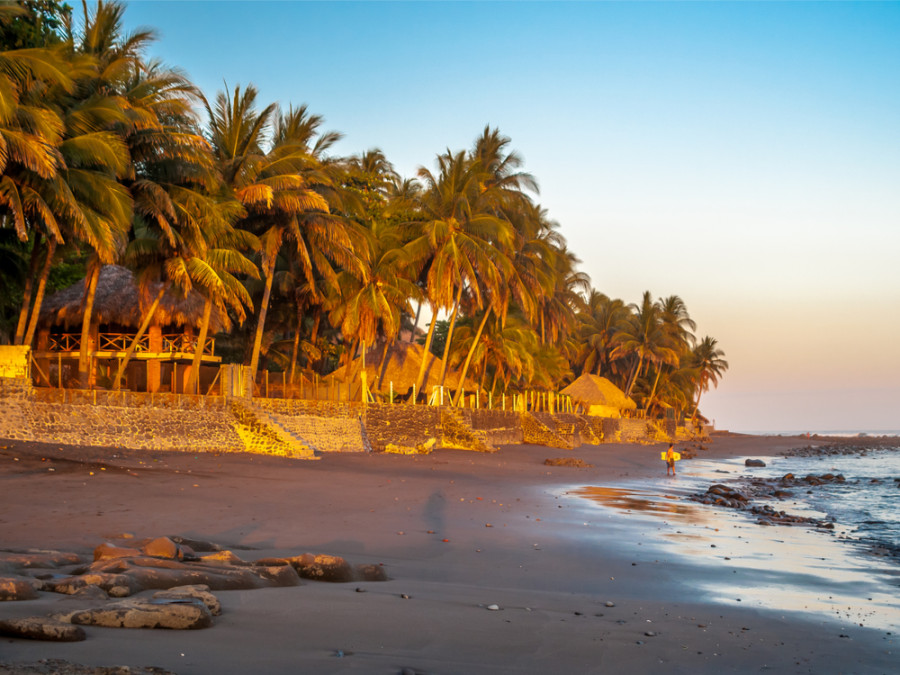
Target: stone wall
(136, 427)
(286, 427)
(401, 424)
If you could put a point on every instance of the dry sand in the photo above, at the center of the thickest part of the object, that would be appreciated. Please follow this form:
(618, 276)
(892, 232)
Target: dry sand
(456, 532)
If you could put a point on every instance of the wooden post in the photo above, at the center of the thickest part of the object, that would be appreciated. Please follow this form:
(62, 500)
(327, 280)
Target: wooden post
(59, 369)
(414, 393)
(174, 375)
(504, 401)
(283, 384)
(490, 400)
(392, 393)
(478, 399)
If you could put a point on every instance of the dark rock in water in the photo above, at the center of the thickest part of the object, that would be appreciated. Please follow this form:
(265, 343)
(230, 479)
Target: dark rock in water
(40, 628)
(12, 588)
(179, 614)
(754, 462)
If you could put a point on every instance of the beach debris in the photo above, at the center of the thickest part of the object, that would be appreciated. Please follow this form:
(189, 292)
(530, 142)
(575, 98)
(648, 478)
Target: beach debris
(493, 608)
(573, 462)
(404, 596)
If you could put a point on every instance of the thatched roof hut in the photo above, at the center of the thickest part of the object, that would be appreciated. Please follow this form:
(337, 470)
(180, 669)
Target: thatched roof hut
(599, 396)
(118, 302)
(402, 368)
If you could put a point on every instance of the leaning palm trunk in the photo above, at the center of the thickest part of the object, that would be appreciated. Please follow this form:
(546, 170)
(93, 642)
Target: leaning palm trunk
(465, 368)
(39, 293)
(137, 337)
(653, 390)
(194, 379)
(261, 324)
(450, 334)
(295, 351)
(85, 353)
(634, 375)
(26, 294)
(420, 378)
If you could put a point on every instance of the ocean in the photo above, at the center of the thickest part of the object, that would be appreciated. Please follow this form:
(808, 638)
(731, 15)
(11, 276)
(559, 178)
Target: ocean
(851, 573)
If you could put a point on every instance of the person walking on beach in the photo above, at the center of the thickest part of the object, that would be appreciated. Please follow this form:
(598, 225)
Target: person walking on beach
(670, 459)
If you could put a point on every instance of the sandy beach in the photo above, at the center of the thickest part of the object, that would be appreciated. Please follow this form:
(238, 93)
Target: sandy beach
(581, 588)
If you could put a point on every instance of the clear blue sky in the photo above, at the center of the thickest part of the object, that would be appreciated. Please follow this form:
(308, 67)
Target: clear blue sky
(745, 156)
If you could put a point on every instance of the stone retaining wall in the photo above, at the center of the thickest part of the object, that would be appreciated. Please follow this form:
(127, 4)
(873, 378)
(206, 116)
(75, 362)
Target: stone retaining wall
(164, 421)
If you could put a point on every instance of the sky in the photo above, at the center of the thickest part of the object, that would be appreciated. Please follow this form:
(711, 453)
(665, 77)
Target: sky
(744, 156)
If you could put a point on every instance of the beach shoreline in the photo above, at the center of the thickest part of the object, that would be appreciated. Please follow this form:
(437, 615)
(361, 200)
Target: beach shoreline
(455, 531)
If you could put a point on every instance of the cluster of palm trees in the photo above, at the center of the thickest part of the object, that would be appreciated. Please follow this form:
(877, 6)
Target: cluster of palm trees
(106, 157)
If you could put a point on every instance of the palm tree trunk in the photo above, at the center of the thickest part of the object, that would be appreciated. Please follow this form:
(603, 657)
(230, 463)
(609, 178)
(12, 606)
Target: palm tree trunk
(450, 335)
(314, 334)
(465, 368)
(39, 293)
(412, 335)
(350, 369)
(296, 348)
(382, 367)
(420, 379)
(26, 294)
(653, 390)
(137, 337)
(194, 379)
(85, 352)
(261, 323)
(634, 375)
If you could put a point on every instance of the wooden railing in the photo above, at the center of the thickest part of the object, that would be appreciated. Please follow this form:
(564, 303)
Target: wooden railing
(119, 342)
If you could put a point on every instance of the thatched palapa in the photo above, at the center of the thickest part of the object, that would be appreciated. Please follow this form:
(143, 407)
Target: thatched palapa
(599, 396)
(118, 302)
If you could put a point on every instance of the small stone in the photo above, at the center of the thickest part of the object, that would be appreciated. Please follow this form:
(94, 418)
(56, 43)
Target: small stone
(493, 608)
(610, 604)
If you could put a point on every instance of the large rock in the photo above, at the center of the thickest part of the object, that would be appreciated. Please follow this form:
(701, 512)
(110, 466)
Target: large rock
(116, 585)
(106, 551)
(158, 573)
(39, 628)
(320, 567)
(37, 558)
(162, 547)
(199, 591)
(12, 588)
(754, 462)
(176, 614)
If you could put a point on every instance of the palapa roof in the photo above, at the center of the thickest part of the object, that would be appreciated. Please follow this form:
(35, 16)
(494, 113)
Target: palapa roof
(595, 390)
(118, 301)
(402, 368)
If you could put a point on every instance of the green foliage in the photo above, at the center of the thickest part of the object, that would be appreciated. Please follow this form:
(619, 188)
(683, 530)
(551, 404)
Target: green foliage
(38, 23)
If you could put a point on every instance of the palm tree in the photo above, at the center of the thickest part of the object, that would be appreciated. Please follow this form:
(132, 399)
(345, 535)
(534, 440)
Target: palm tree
(461, 240)
(646, 338)
(282, 186)
(602, 323)
(710, 366)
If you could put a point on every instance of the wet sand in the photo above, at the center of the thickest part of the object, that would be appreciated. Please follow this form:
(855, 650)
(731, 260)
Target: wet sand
(456, 532)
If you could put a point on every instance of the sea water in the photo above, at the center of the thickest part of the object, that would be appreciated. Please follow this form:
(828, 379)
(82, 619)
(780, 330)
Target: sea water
(866, 507)
(790, 568)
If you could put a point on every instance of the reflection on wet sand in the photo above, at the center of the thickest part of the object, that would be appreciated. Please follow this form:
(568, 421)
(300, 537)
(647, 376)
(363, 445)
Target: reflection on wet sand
(776, 567)
(636, 499)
